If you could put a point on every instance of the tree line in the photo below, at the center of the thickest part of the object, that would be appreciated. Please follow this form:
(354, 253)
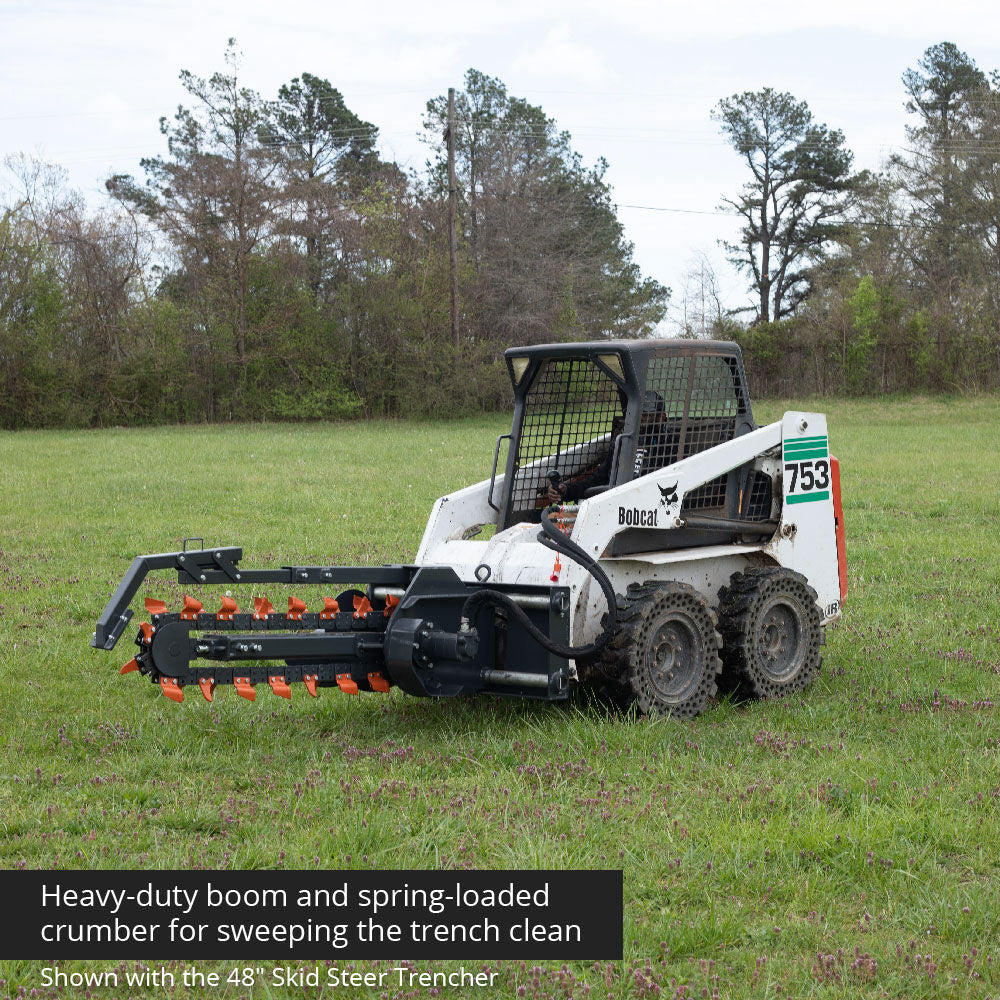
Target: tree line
(271, 265)
(867, 282)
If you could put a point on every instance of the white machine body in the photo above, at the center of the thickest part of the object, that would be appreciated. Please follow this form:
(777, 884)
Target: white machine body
(794, 451)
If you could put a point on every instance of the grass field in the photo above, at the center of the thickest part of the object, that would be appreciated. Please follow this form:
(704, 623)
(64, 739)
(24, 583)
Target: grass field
(844, 843)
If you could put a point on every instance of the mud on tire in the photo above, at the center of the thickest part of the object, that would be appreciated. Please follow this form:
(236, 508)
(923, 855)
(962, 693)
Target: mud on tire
(664, 656)
(770, 624)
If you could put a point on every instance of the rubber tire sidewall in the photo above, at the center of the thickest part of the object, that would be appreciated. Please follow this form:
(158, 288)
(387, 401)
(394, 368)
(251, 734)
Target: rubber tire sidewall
(743, 607)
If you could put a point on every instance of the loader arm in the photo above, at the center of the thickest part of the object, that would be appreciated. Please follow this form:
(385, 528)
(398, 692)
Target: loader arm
(601, 517)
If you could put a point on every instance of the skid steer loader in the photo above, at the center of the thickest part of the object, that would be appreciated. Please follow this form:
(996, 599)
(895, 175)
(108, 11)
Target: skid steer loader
(648, 539)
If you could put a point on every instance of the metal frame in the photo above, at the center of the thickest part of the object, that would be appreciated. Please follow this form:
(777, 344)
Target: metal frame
(637, 359)
(220, 565)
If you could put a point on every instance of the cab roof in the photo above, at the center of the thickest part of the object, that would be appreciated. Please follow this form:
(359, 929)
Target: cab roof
(654, 347)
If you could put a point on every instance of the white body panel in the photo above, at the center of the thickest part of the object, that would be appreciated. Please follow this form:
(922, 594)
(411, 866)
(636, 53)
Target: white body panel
(805, 540)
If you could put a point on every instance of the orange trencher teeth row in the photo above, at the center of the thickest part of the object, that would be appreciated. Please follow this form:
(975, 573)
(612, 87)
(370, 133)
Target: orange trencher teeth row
(298, 617)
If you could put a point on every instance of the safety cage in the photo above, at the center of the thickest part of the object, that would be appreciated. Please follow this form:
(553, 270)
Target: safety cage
(610, 411)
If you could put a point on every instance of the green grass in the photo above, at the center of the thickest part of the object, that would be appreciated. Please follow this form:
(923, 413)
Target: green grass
(841, 843)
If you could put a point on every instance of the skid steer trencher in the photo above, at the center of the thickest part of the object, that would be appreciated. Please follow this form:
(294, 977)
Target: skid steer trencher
(685, 545)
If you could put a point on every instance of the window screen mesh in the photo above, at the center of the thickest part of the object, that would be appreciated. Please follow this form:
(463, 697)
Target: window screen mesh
(659, 433)
(701, 400)
(571, 407)
(757, 499)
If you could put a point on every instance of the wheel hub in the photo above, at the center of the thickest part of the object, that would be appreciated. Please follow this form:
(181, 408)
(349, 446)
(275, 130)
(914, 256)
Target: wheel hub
(673, 659)
(779, 640)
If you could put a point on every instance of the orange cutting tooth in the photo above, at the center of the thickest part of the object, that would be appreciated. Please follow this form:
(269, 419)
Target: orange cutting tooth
(390, 604)
(295, 609)
(228, 609)
(280, 686)
(330, 608)
(191, 608)
(155, 607)
(310, 682)
(170, 687)
(132, 664)
(361, 606)
(346, 684)
(147, 632)
(244, 688)
(262, 607)
(207, 685)
(378, 683)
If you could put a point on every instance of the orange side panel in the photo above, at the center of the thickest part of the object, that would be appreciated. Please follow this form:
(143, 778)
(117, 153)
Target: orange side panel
(838, 517)
(361, 606)
(155, 607)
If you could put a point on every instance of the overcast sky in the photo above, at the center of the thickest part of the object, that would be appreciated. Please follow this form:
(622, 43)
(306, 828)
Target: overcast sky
(83, 83)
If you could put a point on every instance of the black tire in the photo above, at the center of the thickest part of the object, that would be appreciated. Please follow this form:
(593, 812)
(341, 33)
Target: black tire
(771, 632)
(663, 659)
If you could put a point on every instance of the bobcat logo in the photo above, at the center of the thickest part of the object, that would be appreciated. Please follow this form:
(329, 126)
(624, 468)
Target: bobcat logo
(668, 495)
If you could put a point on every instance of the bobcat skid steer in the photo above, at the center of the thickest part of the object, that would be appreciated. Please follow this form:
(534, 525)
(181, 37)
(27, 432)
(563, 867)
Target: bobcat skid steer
(645, 540)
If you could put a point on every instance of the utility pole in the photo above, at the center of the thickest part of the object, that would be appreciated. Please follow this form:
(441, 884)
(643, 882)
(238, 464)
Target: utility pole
(703, 296)
(452, 215)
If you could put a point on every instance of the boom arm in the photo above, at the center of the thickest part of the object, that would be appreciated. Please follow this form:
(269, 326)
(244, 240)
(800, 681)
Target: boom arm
(599, 518)
(195, 566)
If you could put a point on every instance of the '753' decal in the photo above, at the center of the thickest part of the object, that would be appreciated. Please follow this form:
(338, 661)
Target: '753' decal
(807, 469)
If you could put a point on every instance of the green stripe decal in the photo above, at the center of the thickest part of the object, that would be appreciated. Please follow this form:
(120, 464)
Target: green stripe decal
(812, 443)
(796, 456)
(806, 440)
(806, 497)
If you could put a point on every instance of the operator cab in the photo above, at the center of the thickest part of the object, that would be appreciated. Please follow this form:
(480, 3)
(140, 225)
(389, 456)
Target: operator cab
(600, 414)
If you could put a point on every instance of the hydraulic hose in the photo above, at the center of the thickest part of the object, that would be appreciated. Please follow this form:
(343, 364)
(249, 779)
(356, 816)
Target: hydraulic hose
(552, 538)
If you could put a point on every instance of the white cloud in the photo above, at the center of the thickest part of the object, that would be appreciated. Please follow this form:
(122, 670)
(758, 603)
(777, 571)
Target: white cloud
(560, 59)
